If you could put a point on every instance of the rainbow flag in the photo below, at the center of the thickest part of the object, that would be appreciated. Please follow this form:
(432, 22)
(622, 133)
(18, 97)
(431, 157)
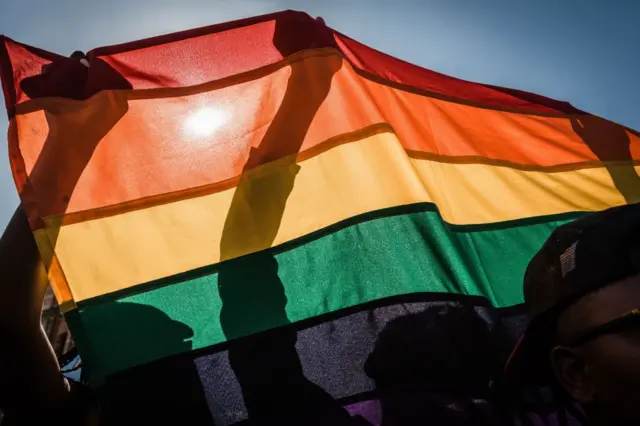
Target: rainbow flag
(194, 188)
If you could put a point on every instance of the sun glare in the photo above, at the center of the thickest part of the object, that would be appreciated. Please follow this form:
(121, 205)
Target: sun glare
(204, 122)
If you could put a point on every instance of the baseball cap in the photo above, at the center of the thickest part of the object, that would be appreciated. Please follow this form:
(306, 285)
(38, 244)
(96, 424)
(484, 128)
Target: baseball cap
(578, 258)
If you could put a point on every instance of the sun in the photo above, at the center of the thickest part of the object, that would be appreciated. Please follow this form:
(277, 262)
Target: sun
(204, 122)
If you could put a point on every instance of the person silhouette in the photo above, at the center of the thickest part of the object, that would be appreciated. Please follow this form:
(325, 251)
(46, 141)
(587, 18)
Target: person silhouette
(44, 391)
(253, 296)
(435, 367)
(160, 393)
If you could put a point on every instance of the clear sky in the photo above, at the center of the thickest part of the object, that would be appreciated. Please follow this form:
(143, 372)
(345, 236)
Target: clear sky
(582, 51)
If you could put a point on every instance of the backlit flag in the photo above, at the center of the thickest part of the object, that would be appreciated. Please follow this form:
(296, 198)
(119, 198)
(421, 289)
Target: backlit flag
(194, 188)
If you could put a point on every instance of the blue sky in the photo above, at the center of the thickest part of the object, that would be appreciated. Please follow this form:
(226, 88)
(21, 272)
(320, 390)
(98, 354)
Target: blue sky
(581, 51)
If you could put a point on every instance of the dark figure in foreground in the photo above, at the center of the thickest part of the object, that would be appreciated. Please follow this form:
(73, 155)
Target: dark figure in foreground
(583, 291)
(435, 367)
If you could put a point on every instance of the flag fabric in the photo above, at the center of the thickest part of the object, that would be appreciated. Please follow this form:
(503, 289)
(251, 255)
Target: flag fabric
(192, 189)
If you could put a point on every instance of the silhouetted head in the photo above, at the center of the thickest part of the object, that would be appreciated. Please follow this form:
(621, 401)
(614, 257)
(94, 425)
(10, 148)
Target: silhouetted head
(158, 389)
(132, 334)
(446, 346)
(583, 290)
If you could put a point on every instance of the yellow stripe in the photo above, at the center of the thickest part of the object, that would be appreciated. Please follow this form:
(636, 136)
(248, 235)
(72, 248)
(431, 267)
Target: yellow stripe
(112, 253)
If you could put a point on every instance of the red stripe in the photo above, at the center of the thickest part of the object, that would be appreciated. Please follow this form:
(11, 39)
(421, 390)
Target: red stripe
(187, 59)
(212, 53)
(184, 35)
(401, 72)
(6, 77)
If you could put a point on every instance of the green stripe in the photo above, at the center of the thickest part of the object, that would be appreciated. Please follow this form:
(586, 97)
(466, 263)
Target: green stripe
(363, 262)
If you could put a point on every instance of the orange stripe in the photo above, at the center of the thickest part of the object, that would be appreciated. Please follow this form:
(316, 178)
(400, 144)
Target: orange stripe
(170, 144)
